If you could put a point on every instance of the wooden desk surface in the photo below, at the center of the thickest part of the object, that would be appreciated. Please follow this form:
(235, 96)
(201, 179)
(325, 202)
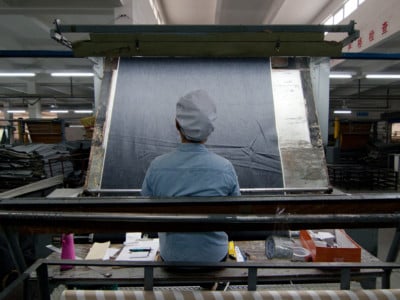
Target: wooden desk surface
(135, 275)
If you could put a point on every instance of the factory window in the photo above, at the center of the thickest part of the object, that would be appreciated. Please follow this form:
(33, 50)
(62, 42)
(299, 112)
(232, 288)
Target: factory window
(349, 7)
(329, 21)
(338, 17)
(395, 134)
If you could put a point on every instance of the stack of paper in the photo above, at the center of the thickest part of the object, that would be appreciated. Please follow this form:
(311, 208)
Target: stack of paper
(138, 249)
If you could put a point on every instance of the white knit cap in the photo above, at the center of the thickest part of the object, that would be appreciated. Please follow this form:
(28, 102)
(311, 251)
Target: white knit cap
(195, 113)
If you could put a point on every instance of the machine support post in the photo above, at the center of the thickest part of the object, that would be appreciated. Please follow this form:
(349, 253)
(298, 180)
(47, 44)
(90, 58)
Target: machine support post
(345, 279)
(15, 247)
(42, 274)
(394, 247)
(386, 279)
(148, 278)
(252, 279)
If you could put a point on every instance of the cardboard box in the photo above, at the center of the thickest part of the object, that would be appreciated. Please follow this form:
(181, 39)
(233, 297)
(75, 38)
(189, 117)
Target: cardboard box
(347, 250)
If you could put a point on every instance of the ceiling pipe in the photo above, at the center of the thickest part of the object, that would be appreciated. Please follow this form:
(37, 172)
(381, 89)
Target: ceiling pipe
(43, 97)
(36, 53)
(365, 98)
(55, 10)
(369, 55)
(67, 53)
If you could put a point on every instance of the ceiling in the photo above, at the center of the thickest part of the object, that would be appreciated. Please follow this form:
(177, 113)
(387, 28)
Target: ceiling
(26, 25)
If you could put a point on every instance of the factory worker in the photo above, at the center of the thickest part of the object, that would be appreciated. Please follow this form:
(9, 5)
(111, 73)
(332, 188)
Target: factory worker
(192, 170)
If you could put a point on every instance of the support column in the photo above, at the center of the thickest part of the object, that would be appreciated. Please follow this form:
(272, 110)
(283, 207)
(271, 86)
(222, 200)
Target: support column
(98, 70)
(35, 109)
(9, 116)
(320, 69)
(34, 105)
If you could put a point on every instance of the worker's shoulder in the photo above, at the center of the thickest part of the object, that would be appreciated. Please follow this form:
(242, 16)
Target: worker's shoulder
(219, 159)
(163, 158)
(167, 160)
(207, 159)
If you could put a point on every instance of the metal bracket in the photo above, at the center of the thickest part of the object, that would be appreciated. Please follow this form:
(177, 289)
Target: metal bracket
(57, 35)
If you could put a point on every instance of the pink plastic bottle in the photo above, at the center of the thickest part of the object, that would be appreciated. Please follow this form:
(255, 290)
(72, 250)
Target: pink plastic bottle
(67, 249)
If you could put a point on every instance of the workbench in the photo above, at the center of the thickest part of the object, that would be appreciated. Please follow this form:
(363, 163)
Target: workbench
(237, 273)
(122, 214)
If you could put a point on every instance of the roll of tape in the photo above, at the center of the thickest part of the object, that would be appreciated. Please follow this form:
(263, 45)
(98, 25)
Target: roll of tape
(278, 247)
(301, 254)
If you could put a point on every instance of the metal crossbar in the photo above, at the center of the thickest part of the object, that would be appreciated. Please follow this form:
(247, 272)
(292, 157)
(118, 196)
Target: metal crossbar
(345, 271)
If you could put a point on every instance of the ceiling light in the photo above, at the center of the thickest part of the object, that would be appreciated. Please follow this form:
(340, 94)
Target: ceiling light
(17, 74)
(59, 111)
(383, 76)
(76, 126)
(340, 75)
(88, 111)
(16, 111)
(342, 112)
(72, 74)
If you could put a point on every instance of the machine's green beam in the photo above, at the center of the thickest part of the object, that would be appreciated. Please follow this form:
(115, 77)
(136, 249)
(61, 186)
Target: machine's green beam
(193, 29)
(206, 49)
(206, 40)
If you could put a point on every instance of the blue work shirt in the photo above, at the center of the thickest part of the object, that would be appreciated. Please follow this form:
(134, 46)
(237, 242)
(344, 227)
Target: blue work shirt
(191, 170)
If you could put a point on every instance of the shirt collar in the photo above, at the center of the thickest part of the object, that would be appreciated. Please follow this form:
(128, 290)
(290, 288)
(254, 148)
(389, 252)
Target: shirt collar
(191, 147)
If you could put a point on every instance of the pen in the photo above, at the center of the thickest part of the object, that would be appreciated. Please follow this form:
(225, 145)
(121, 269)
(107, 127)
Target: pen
(140, 250)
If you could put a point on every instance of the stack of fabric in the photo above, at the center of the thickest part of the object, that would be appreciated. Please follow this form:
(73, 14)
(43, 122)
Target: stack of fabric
(19, 168)
(21, 165)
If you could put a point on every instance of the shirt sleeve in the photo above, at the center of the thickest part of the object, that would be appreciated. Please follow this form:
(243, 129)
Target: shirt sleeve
(146, 187)
(235, 183)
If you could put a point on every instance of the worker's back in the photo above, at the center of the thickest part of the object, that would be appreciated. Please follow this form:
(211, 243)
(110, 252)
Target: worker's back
(191, 170)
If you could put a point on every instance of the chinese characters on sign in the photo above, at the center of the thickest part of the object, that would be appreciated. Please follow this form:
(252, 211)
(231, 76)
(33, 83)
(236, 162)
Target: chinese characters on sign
(359, 42)
(385, 26)
(371, 36)
(349, 46)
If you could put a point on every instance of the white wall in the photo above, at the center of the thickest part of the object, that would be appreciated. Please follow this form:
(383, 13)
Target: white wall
(371, 17)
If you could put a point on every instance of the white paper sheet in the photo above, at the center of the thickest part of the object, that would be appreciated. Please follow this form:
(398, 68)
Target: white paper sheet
(132, 251)
(98, 250)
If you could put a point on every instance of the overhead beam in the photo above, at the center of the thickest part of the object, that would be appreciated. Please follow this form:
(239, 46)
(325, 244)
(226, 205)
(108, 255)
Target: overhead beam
(13, 89)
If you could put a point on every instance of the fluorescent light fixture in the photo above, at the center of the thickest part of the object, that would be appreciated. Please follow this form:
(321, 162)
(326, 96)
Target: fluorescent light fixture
(76, 126)
(88, 111)
(17, 74)
(383, 76)
(72, 74)
(340, 75)
(16, 111)
(59, 111)
(342, 112)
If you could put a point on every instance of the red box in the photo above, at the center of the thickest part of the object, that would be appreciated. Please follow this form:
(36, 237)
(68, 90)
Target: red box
(347, 251)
